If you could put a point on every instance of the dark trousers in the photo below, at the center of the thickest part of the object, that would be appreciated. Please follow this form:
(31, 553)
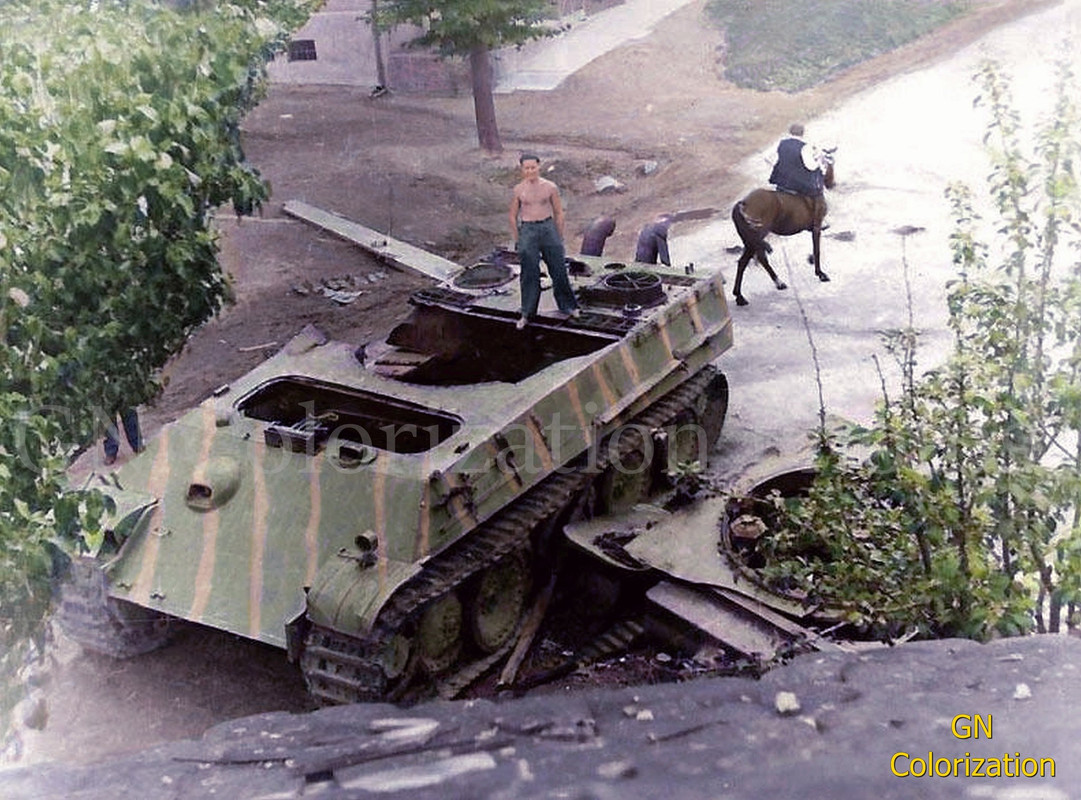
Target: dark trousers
(130, 420)
(538, 240)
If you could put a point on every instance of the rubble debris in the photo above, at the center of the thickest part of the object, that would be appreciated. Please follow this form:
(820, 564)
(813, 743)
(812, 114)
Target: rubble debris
(786, 703)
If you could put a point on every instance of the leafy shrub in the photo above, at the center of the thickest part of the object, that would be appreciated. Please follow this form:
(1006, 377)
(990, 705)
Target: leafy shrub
(119, 137)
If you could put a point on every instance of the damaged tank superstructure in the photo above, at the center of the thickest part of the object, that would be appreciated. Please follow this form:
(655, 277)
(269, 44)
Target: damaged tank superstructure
(382, 511)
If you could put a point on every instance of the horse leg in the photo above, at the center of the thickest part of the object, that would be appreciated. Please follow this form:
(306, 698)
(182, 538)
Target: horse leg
(770, 271)
(816, 252)
(749, 238)
(741, 265)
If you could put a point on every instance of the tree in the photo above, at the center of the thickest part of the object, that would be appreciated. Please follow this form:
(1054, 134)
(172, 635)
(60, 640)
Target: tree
(471, 28)
(119, 138)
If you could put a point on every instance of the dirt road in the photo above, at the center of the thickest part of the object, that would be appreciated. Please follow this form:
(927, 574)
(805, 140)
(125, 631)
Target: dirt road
(410, 166)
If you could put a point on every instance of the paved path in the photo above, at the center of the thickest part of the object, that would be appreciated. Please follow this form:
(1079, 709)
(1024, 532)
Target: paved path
(899, 144)
(544, 64)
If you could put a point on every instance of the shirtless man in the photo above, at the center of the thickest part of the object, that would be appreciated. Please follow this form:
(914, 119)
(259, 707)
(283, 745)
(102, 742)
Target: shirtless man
(536, 223)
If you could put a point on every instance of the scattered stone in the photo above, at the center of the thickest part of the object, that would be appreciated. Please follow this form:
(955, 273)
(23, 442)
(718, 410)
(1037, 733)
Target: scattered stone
(664, 658)
(525, 772)
(1022, 692)
(786, 703)
(342, 297)
(648, 167)
(614, 770)
(608, 185)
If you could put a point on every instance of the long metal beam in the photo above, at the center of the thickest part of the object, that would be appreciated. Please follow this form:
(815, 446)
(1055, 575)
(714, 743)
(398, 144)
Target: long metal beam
(382, 246)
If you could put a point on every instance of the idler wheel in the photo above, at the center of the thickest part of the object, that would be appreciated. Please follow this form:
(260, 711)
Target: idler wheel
(499, 601)
(439, 634)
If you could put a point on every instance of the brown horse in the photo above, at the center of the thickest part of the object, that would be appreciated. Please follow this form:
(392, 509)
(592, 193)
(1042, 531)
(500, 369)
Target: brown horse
(766, 211)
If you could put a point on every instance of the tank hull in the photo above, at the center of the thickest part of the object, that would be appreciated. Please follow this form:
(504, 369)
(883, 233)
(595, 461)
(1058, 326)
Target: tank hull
(339, 489)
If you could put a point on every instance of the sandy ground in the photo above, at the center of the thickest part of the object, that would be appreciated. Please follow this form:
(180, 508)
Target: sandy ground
(410, 166)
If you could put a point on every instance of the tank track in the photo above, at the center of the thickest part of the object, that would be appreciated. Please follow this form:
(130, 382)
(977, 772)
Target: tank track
(342, 669)
(104, 624)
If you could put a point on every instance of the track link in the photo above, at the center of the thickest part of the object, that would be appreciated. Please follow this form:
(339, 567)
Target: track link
(343, 669)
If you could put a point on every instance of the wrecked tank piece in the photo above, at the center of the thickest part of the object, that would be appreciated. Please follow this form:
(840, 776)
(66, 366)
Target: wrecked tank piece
(698, 562)
(384, 511)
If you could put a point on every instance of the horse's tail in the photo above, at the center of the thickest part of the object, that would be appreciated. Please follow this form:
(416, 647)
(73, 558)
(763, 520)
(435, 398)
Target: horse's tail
(750, 234)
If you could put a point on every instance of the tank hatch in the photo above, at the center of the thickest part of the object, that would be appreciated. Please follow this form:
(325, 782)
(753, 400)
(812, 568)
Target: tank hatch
(305, 413)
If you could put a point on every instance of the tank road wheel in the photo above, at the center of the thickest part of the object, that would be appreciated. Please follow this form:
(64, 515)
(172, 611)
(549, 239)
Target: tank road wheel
(439, 634)
(686, 438)
(695, 431)
(397, 658)
(627, 480)
(716, 409)
(499, 601)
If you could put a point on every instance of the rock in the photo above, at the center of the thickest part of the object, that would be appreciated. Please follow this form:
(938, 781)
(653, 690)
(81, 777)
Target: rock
(608, 185)
(613, 770)
(648, 167)
(786, 703)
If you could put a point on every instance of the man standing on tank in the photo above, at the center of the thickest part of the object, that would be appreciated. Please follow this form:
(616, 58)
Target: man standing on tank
(536, 223)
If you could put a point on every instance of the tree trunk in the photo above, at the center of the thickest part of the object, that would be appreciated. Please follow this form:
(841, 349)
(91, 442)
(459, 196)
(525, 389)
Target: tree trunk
(480, 67)
(377, 33)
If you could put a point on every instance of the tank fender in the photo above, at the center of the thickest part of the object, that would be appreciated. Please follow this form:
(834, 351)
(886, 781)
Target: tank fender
(129, 518)
(351, 588)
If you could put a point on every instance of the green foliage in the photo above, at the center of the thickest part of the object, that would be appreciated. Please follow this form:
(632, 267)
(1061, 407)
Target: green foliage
(964, 516)
(119, 137)
(458, 27)
(776, 44)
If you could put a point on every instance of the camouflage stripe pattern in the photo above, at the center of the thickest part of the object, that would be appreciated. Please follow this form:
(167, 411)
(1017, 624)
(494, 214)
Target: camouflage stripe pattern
(242, 526)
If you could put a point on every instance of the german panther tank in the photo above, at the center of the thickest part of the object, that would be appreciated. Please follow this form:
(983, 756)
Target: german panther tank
(382, 512)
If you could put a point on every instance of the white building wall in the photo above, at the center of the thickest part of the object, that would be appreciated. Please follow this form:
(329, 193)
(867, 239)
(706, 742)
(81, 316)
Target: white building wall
(344, 46)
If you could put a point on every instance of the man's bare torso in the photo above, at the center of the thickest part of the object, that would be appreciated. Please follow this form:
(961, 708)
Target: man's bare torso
(535, 199)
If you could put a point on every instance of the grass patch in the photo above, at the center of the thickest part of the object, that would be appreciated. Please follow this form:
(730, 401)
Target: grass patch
(779, 44)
